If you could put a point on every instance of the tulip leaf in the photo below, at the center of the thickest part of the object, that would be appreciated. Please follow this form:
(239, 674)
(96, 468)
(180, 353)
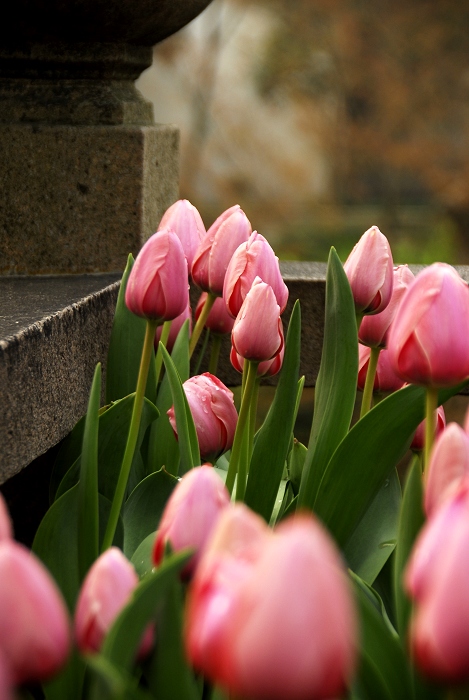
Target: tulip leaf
(374, 539)
(69, 682)
(56, 541)
(336, 385)
(187, 435)
(273, 439)
(163, 449)
(88, 508)
(360, 464)
(411, 520)
(125, 350)
(144, 507)
(111, 682)
(142, 557)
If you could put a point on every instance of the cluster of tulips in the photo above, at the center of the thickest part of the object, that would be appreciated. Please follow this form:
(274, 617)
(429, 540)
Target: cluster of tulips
(200, 558)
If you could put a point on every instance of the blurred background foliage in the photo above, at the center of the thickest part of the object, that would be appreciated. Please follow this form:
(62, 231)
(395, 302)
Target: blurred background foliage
(324, 117)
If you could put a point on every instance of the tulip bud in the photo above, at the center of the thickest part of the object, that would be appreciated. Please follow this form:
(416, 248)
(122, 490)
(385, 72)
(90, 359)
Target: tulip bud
(385, 378)
(184, 219)
(429, 337)
(214, 253)
(214, 413)
(436, 579)
(157, 288)
(269, 368)
(191, 514)
(176, 325)
(34, 624)
(370, 272)
(448, 466)
(257, 333)
(106, 590)
(374, 329)
(6, 682)
(6, 529)
(252, 259)
(418, 441)
(218, 321)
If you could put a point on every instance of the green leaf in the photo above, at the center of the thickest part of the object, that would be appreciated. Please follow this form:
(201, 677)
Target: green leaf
(142, 557)
(144, 507)
(125, 350)
(273, 439)
(163, 448)
(296, 462)
(336, 385)
(410, 523)
(187, 435)
(112, 683)
(69, 682)
(88, 509)
(374, 539)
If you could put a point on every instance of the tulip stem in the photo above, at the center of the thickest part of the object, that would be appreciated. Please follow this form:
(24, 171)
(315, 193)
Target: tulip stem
(367, 397)
(238, 465)
(198, 328)
(359, 318)
(431, 406)
(214, 353)
(132, 437)
(165, 331)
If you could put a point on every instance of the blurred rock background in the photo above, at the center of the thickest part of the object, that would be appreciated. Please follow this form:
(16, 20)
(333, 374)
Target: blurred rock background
(323, 117)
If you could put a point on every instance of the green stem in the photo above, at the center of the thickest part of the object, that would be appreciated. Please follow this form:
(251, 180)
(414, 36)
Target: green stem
(132, 437)
(359, 317)
(202, 352)
(253, 415)
(214, 353)
(431, 406)
(370, 381)
(165, 331)
(207, 307)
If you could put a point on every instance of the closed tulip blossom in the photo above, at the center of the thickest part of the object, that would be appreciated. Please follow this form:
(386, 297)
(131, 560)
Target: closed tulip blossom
(385, 378)
(34, 623)
(7, 691)
(157, 288)
(184, 219)
(219, 320)
(418, 441)
(449, 465)
(429, 337)
(269, 368)
(437, 579)
(257, 333)
(374, 329)
(216, 249)
(214, 413)
(176, 326)
(106, 590)
(252, 259)
(369, 269)
(191, 514)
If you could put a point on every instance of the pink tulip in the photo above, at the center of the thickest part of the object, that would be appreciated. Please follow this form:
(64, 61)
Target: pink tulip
(418, 442)
(106, 590)
(370, 272)
(158, 288)
(437, 579)
(252, 259)
(191, 514)
(374, 330)
(269, 368)
(34, 624)
(176, 326)
(6, 529)
(184, 219)
(218, 321)
(448, 466)
(6, 682)
(214, 414)
(214, 253)
(257, 333)
(429, 337)
(385, 378)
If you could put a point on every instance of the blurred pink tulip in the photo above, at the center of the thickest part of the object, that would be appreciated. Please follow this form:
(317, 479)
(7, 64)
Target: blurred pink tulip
(418, 442)
(257, 333)
(448, 466)
(214, 414)
(176, 326)
(374, 330)
(429, 337)
(6, 529)
(7, 691)
(252, 259)
(34, 623)
(106, 590)
(437, 579)
(184, 219)
(214, 253)
(191, 514)
(369, 270)
(269, 368)
(158, 286)
(385, 378)
(219, 320)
